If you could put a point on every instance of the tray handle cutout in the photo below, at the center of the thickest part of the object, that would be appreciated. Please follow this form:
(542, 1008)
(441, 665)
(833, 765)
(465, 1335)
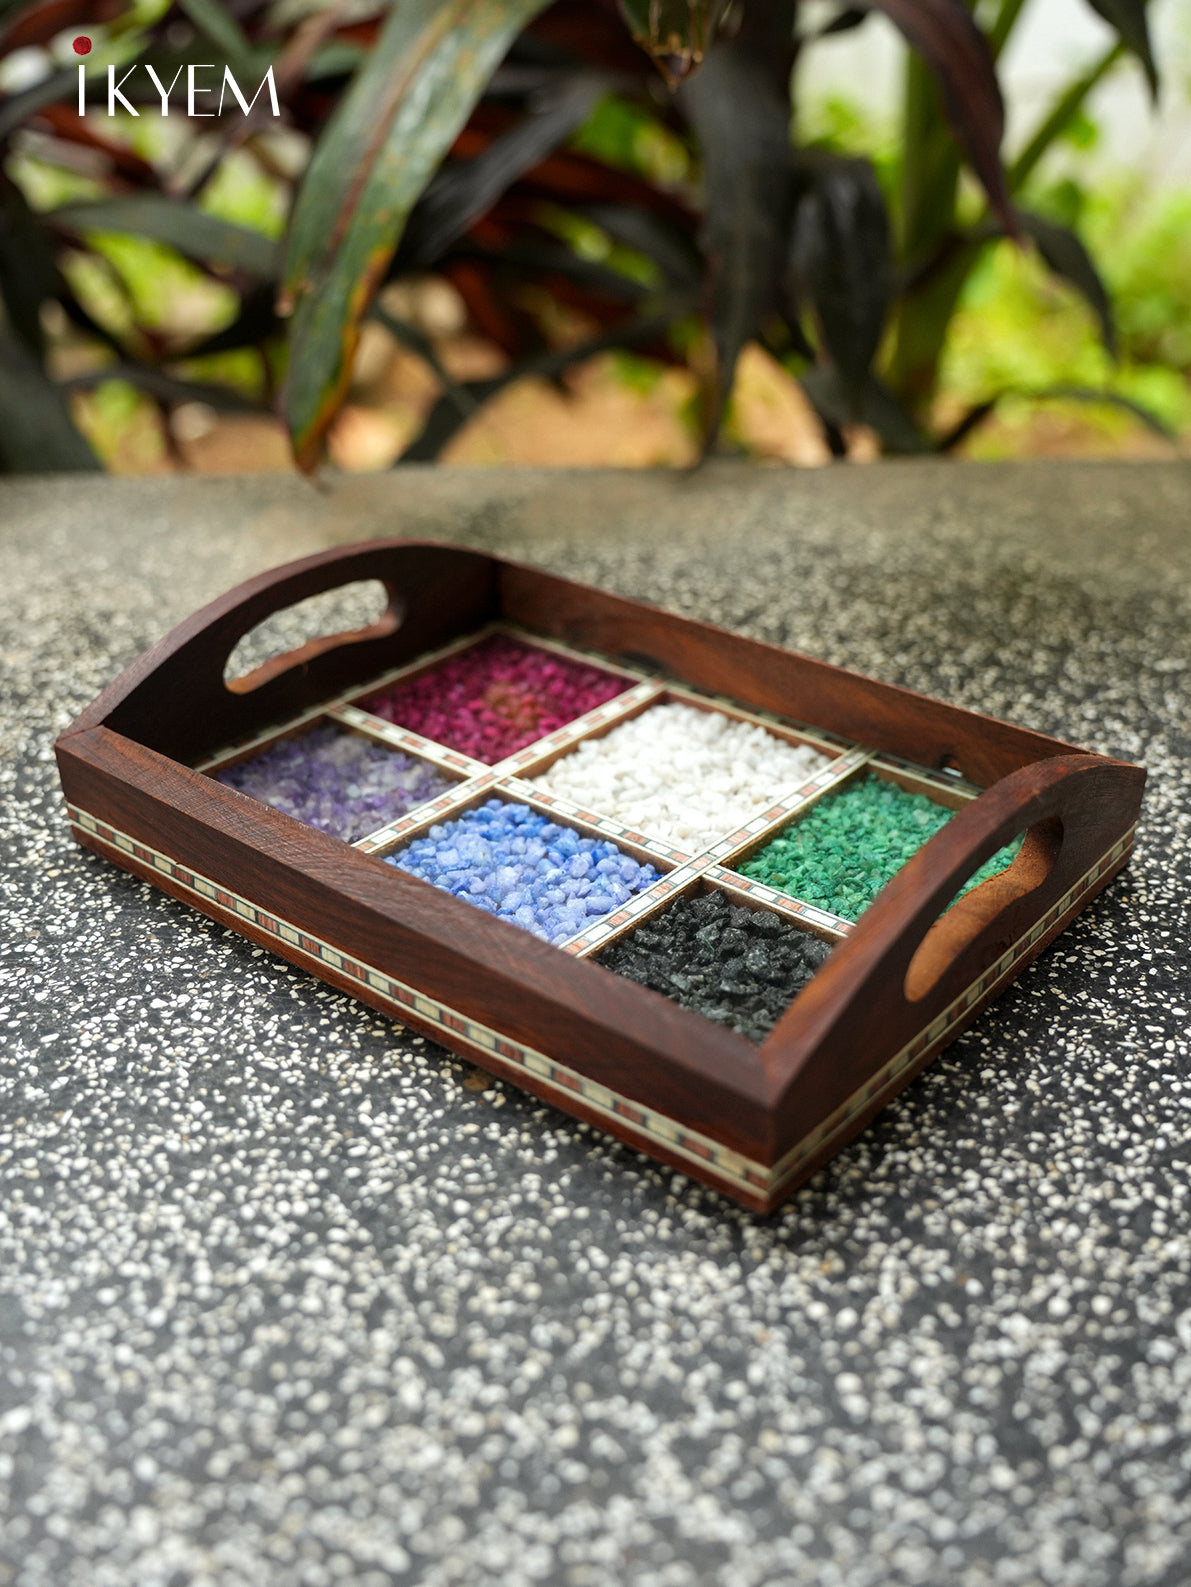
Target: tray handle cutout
(178, 700)
(969, 914)
(911, 959)
(377, 611)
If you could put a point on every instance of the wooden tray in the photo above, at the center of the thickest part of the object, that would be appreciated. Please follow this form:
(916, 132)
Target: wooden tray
(752, 1121)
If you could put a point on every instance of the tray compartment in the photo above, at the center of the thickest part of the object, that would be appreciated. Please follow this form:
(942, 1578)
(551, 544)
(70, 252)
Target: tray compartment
(344, 783)
(495, 697)
(844, 849)
(518, 863)
(685, 774)
(725, 959)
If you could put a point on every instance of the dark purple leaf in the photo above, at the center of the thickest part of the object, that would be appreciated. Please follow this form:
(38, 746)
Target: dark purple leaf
(671, 250)
(1129, 19)
(1067, 257)
(843, 22)
(953, 47)
(28, 273)
(449, 414)
(841, 260)
(1090, 395)
(255, 324)
(463, 191)
(532, 257)
(1111, 399)
(37, 434)
(971, 420)
(837, 407)
(740, 108)
(169, 390)
(192, 231)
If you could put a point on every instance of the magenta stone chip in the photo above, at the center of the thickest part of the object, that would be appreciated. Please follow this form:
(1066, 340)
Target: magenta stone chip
(495, 698)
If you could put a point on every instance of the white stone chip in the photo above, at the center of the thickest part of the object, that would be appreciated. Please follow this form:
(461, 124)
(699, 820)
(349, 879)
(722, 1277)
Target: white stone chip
(686, 776)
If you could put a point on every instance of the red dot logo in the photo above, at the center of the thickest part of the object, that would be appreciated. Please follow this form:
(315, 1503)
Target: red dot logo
(82, 45)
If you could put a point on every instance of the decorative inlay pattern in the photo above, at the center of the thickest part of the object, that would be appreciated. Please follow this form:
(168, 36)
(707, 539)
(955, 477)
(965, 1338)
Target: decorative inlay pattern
(562, 1083)
(784, 810)
(809, 914)
(403, 1000)
(403, 738)
(612, 711)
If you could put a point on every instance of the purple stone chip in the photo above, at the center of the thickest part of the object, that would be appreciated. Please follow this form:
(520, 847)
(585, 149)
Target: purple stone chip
(340, 782)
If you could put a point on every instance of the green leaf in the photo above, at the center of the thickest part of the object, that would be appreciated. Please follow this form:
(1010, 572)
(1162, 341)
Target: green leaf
(842, 261)
(1063, 252)
(1059, 117)
(216, 23)
(37, 434)
(675, 34)
(175, 222)
(399, 117)
(1129, 19)
(740, 107)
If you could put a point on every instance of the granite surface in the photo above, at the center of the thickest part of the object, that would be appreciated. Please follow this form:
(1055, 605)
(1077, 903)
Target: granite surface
(290, 1298)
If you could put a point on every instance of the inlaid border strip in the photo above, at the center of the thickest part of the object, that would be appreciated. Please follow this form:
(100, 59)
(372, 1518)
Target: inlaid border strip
(677, 1138)
(794, 806)
(712, 1157)
(609, 713)
(783, 903)
(443, 808)
(566, 810)
(393, 736)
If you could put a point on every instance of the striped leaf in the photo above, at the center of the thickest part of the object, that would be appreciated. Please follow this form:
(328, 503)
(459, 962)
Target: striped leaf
(405, 108)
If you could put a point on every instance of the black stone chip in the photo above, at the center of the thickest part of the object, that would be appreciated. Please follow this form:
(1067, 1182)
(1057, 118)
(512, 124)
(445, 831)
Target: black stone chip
(740, 967)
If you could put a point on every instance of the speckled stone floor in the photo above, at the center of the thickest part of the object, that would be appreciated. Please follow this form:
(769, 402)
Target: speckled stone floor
(288, 1298)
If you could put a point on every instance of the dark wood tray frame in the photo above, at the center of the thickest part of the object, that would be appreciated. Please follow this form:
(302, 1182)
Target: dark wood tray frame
(755, 1122)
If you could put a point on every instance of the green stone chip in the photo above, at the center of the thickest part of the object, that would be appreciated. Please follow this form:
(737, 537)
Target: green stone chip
(848, 846)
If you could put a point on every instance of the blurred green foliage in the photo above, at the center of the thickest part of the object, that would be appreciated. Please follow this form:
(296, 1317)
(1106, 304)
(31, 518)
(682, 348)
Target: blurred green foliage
(1020, 330)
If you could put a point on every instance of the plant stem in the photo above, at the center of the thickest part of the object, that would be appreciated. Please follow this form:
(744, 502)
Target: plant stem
(998, 34)
(930, 191)
(1060, 117)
